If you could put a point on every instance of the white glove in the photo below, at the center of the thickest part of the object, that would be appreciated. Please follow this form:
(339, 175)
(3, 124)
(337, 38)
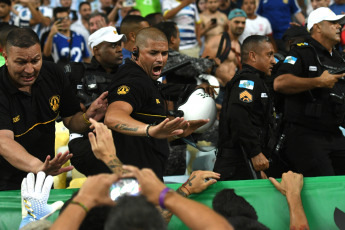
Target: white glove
(35, 197)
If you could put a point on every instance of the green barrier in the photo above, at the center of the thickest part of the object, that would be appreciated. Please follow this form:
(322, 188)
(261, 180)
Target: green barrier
(320, 196)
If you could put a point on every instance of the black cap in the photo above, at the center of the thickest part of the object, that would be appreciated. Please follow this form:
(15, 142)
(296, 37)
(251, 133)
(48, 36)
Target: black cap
(295, 31)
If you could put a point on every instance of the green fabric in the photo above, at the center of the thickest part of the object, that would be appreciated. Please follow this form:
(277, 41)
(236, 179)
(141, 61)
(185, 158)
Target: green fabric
(2, 60)
(320, 196)
(148, 7)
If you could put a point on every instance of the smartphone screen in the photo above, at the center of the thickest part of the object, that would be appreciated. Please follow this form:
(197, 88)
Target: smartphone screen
(125, 186)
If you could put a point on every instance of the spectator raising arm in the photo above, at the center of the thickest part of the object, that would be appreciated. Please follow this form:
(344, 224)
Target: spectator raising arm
(291, 186)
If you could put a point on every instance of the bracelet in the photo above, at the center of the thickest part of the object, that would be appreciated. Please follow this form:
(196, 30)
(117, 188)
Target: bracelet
(147, 130)
(187, 189)
(86, 120)
(81, 205)
(162, 197)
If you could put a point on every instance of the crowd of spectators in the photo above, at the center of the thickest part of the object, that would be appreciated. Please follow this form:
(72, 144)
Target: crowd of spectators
(123, 47)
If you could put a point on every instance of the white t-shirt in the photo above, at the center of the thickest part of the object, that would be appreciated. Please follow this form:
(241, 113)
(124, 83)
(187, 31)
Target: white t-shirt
(258, 26)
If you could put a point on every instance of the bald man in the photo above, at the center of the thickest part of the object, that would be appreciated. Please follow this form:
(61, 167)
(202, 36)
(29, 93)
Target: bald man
(137, 110)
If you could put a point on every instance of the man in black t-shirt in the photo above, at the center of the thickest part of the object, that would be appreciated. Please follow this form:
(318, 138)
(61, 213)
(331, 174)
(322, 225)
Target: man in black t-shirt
(137, 110)
(33, 94)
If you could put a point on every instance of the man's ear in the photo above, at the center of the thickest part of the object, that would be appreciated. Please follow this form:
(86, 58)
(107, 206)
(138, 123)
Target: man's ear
(172, 40)
(131, 36)
(4, 54)
(95, 51)
(252, 56)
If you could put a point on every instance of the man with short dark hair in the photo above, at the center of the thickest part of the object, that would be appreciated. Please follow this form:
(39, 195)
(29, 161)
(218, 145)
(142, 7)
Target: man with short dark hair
(33, 95)
(137, 110)
(130, 26)
(314, 99)
(82, 25)
(5, 11)
(247, 114)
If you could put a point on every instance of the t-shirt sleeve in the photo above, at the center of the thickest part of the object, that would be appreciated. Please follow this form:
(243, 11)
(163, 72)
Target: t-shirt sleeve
(292, 64)
(131, 92)
(294, 8)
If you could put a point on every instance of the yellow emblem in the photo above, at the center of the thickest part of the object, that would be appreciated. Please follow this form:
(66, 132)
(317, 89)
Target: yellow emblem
(286, 1)
(157, 101)
(122, 90)
(245, 96)
(54, 102)
(115, 32)
(16, 119)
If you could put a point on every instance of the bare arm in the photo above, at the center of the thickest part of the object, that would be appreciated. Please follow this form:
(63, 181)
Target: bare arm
(19, 158)
(37, 16)
(291, 84)
(291, 186)
(300, 18)
(79, 123)
(48, 45)
(171, 13)
(118, 119)
(94, 192)
(195, 215)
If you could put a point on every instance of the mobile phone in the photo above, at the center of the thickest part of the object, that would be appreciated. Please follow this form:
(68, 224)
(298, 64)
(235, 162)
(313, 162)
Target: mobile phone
(125, 186)
(59, 20)
(129, 3)
(214, 21)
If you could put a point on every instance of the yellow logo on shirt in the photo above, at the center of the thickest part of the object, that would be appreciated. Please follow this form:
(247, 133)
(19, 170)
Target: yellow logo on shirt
(157, 101)
(286, 1)
(245, 96)
(54, 102)
(122, 90)
(16, 119)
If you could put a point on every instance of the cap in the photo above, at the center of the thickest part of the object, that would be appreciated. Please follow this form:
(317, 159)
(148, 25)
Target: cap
(105, 34)
(237, 13)
(295, 31)
(323, 14)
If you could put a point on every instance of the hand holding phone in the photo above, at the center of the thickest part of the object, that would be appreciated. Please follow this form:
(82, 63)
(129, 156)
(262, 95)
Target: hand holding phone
(125, 186)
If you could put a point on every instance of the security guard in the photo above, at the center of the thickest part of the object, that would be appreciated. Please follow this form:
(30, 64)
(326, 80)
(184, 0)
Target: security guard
(314, 99)
(246, 117)
(137, 110)
(32, 95)
(90, 80)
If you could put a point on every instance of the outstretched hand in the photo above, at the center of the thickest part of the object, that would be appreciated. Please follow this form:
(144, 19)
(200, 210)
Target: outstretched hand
(168, 128)
(98, 107)
(54, 167)
(200, 180)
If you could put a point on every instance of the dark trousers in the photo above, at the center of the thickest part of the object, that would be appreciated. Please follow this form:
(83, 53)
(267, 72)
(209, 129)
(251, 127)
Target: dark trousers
(315, 153)
(232, 165)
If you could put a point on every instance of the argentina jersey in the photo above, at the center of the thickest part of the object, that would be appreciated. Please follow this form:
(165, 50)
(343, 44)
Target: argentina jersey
(62, 48)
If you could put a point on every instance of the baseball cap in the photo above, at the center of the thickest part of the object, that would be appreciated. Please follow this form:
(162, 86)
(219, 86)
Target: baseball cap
(324, 14)
(105, 34)
(237, 13)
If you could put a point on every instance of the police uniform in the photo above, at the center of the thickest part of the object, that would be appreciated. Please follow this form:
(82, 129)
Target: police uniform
(32, 117)
(134, 86)
(315, 145)
(244, 125)
(89, 81)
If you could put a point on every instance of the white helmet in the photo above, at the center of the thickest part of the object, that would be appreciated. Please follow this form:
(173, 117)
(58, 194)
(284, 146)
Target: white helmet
(212, 80)
(199, 105)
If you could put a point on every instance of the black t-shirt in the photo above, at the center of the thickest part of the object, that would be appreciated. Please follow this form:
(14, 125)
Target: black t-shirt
(314, 108)
(32, 117)
(134, 86)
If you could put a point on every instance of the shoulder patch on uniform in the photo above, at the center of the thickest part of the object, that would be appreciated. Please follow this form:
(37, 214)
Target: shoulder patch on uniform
(263, 95)
(246, 97)
(246, 84)
(302, 44)
(122, 90)
(290, 59)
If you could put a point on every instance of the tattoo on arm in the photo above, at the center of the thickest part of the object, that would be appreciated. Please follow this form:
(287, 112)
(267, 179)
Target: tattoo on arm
(125, 127)
(166, 215)
(182, 193)
(190, 181)
(115, 164)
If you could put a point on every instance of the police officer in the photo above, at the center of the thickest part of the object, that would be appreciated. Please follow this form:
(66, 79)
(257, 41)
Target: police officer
(137, 110)
(314, 99)
(89, 80)
(247, 114)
